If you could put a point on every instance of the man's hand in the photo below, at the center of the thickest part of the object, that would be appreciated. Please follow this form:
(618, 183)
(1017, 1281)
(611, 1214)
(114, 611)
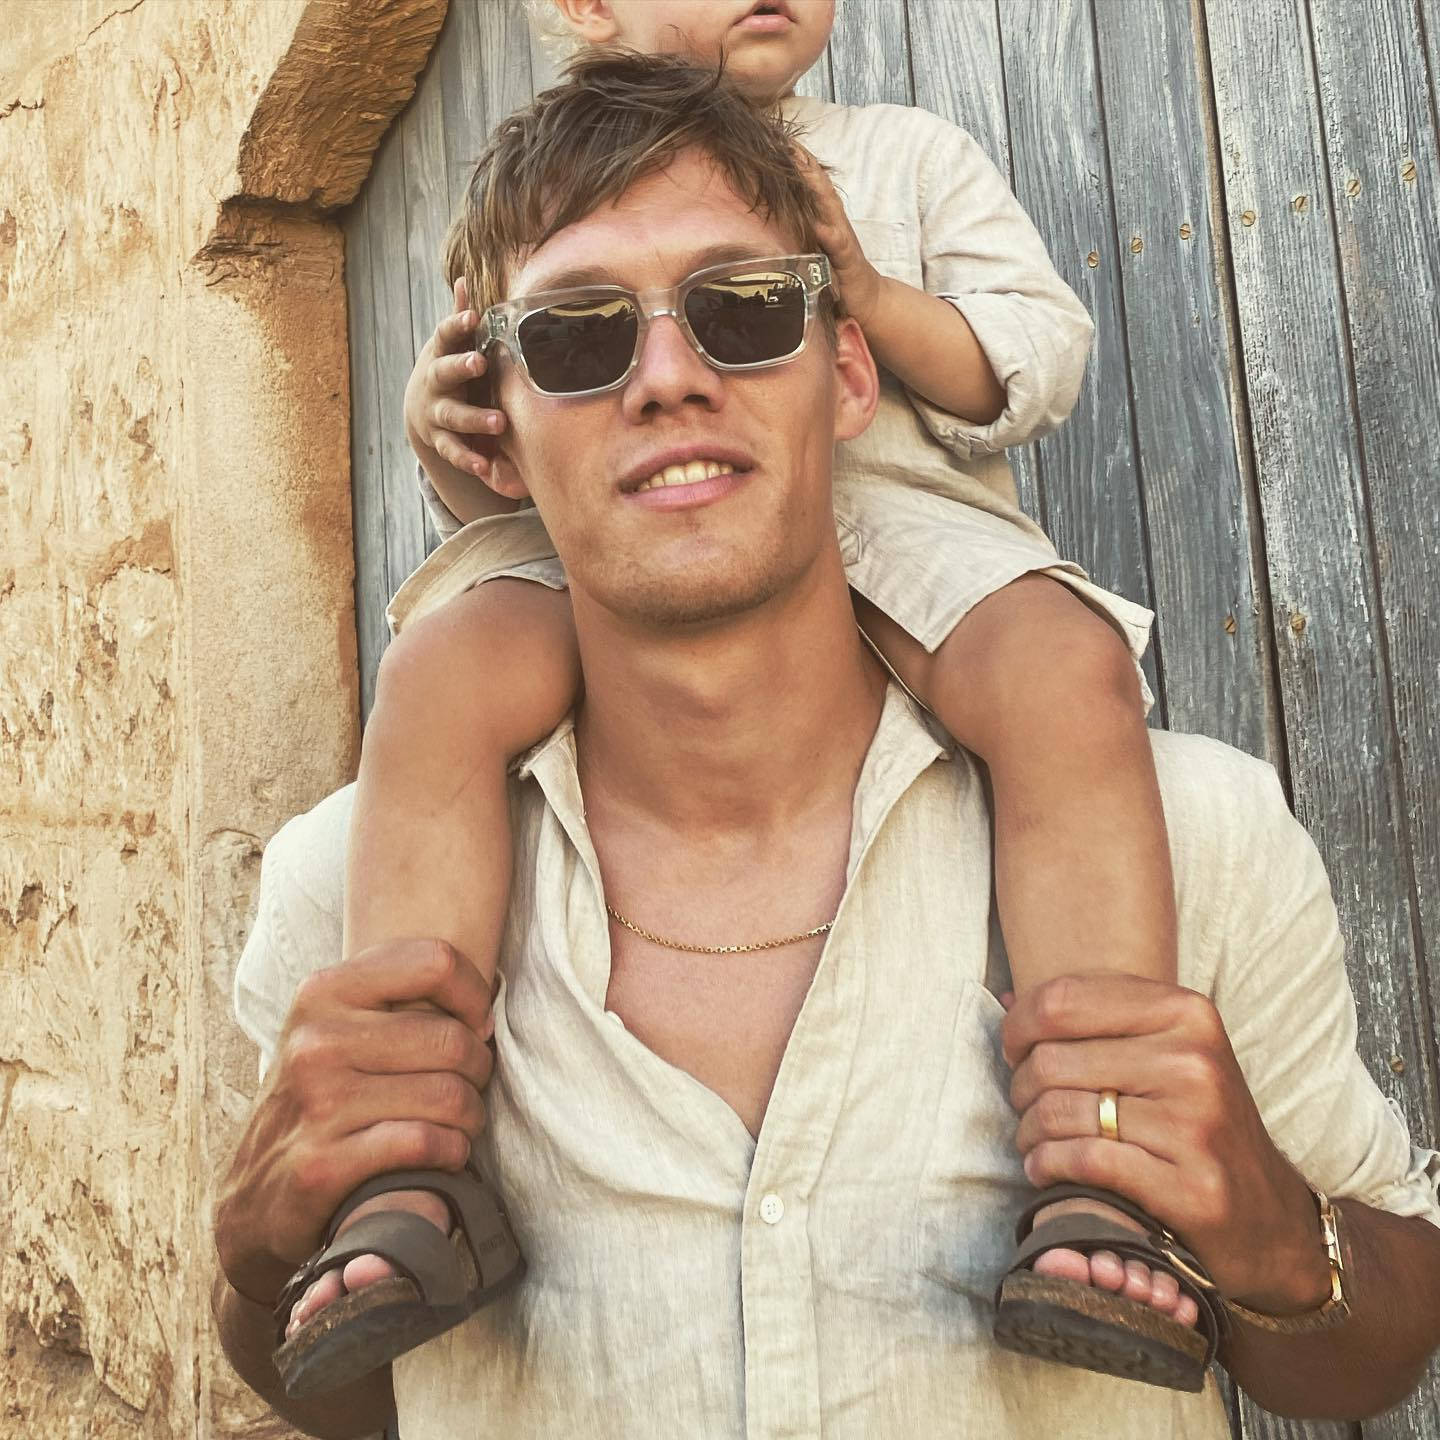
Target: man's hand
(359, 1086)
(1193, 1150)
(453, 439)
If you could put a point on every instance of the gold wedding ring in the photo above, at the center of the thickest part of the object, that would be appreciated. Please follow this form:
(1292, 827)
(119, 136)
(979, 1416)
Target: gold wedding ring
(1110, 1114)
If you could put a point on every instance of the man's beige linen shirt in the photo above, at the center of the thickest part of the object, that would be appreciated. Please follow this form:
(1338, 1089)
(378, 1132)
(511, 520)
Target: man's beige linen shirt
(834, 1276)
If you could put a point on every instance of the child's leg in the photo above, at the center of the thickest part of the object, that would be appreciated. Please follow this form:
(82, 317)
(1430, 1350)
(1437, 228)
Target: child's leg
(460, 694)
(1045, 692)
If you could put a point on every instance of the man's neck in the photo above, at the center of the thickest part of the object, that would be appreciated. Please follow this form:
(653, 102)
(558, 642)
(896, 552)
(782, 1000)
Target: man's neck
(738, 725)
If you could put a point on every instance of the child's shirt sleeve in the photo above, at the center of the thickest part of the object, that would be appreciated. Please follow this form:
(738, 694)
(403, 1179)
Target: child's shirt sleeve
(980, 251)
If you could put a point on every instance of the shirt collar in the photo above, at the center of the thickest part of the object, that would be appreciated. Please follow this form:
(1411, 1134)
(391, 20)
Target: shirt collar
(906, 743)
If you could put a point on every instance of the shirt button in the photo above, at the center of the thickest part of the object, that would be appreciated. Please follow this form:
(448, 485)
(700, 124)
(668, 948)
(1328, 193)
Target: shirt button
(772, 1209)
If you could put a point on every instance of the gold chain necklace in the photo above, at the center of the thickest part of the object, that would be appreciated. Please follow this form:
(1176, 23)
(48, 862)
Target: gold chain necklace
(630, 925)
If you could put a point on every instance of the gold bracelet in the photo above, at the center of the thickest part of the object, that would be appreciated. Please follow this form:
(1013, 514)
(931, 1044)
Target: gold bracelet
(1336, 1307)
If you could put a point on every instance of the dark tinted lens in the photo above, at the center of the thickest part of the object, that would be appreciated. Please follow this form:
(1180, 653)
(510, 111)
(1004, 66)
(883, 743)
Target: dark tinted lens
(580, 345)
(750, 318)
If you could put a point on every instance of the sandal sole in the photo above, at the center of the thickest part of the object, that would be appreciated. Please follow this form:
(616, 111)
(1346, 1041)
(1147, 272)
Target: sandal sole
(366, 1329)
(1079, 1325)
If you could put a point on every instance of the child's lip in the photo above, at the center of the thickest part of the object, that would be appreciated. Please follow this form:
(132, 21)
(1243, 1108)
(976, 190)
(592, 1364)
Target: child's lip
(781, 10)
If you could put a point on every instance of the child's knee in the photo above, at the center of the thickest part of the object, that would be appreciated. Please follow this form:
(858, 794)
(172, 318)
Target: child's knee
(496, 663)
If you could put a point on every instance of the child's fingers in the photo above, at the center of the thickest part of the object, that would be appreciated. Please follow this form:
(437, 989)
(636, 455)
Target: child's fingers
(456, 332)
(455, 452)
(463, 419)
(449, 374)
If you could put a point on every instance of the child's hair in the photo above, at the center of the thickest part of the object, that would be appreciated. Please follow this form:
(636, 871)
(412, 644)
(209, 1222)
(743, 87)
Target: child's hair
(557, 39)
(616, 117)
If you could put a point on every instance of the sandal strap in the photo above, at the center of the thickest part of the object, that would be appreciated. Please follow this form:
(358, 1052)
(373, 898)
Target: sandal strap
(413, 1245)
(1155, 1247)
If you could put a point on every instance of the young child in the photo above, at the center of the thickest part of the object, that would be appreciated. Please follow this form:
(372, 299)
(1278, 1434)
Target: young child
(982, 346)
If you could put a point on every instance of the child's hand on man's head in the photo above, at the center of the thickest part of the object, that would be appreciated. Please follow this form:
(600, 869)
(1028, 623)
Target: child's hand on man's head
(439, 418)
(857, 281)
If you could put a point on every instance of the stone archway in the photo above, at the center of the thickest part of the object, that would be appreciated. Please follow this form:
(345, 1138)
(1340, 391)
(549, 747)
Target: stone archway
(176, 603)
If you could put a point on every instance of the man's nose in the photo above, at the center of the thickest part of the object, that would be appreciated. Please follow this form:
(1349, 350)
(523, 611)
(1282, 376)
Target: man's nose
(670, 373)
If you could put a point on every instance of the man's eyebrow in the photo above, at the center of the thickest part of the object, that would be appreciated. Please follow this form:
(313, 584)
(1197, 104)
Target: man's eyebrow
(576, 276)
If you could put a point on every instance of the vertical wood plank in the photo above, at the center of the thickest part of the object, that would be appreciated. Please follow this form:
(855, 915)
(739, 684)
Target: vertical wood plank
(427, 196)
(1380, 138)
(404, 518)
(869, 58)
(818, 81)
(959, 73)
(1090, 471)
(368, 502)
(1212, 639)
(1344, 764)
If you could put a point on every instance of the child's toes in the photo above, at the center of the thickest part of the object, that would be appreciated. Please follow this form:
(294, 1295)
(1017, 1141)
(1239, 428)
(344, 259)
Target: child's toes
(365, 1270)
(1187, 1312)
(327, 1288)
(1061, 1264)
(1138, 1283)
(1164, 1291)
(1107, 1270)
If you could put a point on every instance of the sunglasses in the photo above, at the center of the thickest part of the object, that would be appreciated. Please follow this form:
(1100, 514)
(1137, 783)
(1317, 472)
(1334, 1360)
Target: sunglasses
(742, 315)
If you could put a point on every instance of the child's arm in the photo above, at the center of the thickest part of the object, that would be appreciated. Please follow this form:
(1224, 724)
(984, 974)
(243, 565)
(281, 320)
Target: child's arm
(453, 438)
(993, 348)
(922, 340)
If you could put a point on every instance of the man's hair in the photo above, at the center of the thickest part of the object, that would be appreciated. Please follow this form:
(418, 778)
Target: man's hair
(617, 117)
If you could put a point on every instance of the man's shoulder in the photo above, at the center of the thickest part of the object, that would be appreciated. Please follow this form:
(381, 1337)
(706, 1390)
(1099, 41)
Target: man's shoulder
(306, 856)
(1207, 782)
(299, 916)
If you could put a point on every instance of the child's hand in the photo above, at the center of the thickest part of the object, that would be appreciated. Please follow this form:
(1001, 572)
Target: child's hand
(857, 281)
(440, 423)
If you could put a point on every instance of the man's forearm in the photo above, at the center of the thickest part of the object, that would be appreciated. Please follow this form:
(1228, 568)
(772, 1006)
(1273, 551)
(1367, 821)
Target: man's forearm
(247, 1333)
(1373, 1359)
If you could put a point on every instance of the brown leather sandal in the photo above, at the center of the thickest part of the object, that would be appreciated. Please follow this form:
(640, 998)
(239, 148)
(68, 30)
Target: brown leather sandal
(1095, 1329)
(442, 1280)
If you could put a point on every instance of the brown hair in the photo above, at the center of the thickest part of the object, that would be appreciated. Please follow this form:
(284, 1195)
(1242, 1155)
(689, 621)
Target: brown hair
(616, 117)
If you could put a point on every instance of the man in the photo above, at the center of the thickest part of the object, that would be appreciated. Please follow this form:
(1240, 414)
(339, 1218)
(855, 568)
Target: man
(770, 1193)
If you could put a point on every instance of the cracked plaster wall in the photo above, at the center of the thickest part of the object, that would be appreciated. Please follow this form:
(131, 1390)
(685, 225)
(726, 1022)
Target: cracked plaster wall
(176, 635)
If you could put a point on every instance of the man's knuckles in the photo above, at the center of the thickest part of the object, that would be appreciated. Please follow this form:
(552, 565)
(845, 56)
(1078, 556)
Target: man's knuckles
(417, 1145)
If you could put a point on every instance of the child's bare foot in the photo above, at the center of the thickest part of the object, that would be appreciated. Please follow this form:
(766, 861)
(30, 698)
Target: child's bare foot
(367, 1269)
(1107, 1271)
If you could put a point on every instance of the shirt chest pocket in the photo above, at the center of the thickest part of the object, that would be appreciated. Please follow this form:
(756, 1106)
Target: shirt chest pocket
(892, 247)
(972, 1185)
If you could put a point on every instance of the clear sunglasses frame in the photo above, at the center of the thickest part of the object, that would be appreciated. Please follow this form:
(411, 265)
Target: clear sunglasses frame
(500, 324)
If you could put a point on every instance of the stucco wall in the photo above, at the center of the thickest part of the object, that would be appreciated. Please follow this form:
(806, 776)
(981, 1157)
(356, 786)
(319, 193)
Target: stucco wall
(176, 635)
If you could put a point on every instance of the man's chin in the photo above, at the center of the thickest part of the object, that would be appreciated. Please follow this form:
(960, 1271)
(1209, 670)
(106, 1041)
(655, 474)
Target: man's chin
(694, 601)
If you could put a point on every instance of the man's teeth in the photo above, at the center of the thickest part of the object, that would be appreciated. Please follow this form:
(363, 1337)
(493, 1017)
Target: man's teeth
(688, 474)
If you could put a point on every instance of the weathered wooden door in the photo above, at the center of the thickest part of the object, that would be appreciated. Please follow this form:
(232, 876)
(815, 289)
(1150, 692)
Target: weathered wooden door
(1244, 192)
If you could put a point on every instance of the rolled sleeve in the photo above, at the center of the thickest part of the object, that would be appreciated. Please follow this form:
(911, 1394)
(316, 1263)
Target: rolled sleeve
(1276, 973)
(442, 517)
(981, 253)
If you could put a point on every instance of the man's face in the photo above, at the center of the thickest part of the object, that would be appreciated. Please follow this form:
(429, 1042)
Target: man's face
(702, 551)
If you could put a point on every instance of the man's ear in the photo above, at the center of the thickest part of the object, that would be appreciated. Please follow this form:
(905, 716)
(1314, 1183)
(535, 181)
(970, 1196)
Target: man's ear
(504, 477)
(591, 20)
(857, 383)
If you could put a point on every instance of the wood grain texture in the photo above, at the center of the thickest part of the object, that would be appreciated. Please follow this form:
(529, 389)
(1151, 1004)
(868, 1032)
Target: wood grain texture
(394, 359)
(427, 217)
(959, 73)
(1345, 771)
(371, 584)
(869, 61)
(1089, 472)
(1379, 131)
(1211, 638)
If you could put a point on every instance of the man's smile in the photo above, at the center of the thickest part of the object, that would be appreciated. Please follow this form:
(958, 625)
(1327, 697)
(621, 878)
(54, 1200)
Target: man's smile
(686, 475)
